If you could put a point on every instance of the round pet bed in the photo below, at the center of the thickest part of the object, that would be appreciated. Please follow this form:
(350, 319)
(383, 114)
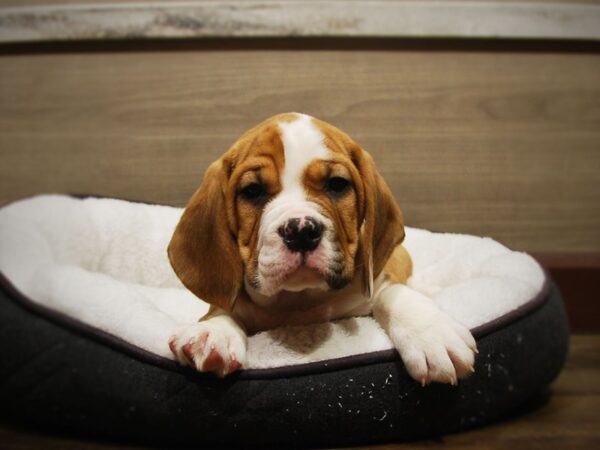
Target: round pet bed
(88, 301)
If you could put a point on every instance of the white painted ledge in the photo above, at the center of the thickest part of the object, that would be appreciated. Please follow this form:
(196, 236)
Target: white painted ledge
(276, 18)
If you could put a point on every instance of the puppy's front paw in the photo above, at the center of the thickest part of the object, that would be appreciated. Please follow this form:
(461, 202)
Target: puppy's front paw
(210, 346)
(436, 349)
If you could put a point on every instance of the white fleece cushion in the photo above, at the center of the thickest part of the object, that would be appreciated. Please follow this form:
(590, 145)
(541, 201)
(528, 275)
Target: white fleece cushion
(104, 262)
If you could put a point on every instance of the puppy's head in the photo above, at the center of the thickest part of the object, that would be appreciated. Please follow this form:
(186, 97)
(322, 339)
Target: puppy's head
(294, 204)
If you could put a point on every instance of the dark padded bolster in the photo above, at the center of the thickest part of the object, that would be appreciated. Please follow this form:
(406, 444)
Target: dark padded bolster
(61, 377)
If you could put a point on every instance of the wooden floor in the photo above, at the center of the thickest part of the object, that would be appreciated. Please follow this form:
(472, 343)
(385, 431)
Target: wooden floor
(568, 419)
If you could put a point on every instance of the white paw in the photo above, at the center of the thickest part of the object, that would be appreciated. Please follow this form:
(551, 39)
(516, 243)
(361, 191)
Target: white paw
(215, 345)
(436, 349)
(433, 346)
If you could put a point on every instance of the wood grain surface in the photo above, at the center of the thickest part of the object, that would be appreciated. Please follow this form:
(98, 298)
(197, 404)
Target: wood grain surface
(566, 419)
(498, 143)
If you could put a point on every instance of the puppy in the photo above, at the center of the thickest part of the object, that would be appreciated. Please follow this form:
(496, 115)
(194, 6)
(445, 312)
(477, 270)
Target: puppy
(294, 225)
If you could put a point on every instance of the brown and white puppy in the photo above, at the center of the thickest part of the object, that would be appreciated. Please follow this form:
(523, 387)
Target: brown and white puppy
(294, 225)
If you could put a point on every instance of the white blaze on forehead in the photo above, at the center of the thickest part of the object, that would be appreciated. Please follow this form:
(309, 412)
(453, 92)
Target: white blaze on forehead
(302, 143)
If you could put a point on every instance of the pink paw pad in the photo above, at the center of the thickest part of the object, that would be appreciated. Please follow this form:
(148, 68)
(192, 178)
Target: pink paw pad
(214, 362)
(173, 344)
(234, 364)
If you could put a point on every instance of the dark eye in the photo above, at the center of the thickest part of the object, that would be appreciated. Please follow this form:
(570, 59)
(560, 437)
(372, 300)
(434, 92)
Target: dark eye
(337, 185)
(253, 192)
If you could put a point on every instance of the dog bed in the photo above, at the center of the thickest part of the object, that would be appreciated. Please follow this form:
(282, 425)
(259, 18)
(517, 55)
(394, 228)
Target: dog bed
(89, 300)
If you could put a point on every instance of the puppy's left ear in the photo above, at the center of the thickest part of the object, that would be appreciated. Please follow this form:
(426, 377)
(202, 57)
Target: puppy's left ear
(383, 226)
(203, 250)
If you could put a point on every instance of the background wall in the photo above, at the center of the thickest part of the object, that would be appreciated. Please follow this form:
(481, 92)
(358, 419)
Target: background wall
(496, 138)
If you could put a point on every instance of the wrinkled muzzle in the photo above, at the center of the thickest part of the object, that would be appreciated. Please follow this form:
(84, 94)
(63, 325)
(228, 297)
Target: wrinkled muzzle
(297, 249)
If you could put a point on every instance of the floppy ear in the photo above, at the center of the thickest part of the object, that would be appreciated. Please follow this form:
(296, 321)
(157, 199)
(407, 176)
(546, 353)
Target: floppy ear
(383, 226)
(203, 251)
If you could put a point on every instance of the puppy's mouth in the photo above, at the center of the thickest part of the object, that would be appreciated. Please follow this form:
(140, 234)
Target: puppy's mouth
(303, 278)
(301, 270)
(311, 271)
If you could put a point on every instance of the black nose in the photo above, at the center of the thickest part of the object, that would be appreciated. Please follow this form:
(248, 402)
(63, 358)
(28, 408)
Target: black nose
(301, 234)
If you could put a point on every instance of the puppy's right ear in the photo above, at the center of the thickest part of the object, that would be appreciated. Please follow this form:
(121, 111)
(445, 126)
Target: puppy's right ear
(203, 250)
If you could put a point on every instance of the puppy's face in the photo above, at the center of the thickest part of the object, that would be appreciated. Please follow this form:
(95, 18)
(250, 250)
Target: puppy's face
(297, 209)
(295, 204)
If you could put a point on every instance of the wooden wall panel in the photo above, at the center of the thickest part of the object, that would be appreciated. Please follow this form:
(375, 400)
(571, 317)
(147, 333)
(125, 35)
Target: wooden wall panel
(498, 143)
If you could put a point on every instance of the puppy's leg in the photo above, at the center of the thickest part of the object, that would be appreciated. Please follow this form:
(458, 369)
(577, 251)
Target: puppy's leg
(433, 346)
(217, 343)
